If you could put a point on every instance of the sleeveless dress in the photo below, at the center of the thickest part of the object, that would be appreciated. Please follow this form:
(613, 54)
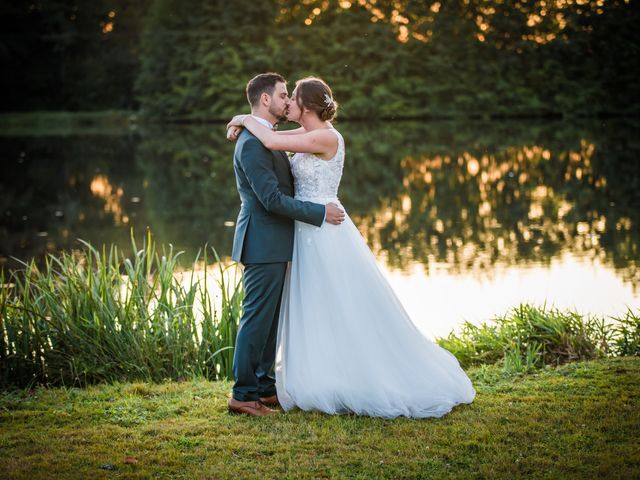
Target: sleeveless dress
(345, 343)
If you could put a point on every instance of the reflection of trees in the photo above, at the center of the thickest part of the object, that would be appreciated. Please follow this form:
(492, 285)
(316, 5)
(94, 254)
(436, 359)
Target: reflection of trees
(495, 193)
(190, 186)
(179, 183)
(56, 189)
(470, 195)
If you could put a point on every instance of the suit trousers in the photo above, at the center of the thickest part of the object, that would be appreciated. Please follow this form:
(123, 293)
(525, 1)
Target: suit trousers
(255, 352)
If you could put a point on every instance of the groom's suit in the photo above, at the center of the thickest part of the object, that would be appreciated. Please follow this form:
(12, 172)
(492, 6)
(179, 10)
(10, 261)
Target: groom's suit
(263, 242)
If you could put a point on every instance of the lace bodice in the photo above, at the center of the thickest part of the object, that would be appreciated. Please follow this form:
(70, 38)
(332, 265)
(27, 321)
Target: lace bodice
(316, 179)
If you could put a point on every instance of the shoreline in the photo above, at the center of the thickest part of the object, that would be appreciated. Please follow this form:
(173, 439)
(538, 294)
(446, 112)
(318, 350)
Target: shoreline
(20, 123)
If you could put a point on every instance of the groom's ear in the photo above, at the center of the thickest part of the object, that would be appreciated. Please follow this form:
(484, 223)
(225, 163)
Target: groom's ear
(265, 99)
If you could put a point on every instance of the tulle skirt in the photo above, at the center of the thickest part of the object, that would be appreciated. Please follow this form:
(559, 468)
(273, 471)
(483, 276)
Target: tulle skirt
(345, 342)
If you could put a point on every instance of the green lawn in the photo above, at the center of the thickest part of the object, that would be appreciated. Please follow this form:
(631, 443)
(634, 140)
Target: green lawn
(580, 420)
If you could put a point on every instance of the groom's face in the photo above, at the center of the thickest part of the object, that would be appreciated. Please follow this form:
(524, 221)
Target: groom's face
(279, 106)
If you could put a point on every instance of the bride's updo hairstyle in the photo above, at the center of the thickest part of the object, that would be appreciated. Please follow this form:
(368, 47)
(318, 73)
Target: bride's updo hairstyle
(314, 94)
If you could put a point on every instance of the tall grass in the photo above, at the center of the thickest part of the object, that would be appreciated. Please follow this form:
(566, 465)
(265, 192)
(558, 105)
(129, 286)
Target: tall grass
(96, 316)
(627, 334)
(530, 337)
(93, 316)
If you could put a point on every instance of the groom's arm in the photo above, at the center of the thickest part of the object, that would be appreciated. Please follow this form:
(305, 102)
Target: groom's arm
(257, 165)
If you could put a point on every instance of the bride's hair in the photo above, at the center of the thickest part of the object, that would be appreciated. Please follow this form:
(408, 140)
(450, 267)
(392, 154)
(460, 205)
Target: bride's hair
(314, 94)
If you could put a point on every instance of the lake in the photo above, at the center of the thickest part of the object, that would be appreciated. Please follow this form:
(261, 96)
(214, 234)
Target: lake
(467, 219)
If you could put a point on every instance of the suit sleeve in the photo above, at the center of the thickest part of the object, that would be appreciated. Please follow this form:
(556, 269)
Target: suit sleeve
(257, 165)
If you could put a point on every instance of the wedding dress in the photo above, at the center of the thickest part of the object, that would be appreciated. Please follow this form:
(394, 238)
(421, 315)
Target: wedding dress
(345, 342)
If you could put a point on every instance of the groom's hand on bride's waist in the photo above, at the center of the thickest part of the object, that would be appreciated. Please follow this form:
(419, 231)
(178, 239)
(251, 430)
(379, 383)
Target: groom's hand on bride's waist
(333, 214)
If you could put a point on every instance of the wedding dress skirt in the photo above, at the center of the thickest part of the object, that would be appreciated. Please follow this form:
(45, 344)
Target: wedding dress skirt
(345, 342)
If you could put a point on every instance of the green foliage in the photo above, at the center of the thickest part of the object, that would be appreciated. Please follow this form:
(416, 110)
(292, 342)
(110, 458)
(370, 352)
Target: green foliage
(93, 316)
(627, 334)
(70, 55)
(191, 59)
(197, 59)
(529, 338)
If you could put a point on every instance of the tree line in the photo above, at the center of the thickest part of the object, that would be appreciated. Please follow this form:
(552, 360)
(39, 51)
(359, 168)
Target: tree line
(190, 59)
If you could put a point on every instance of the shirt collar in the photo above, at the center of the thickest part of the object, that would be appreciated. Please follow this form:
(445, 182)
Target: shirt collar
(264, 122)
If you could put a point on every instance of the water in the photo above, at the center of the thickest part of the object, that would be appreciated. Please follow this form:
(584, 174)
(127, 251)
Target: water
(466, 219)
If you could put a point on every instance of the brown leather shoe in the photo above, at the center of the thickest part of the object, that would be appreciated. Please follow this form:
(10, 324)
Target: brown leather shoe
(271, 401)
(253, 409)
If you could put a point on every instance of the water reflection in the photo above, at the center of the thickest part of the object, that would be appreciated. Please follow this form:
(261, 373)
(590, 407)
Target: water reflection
(466, 200)
(100, 187)
(569, 282)
(485, 203)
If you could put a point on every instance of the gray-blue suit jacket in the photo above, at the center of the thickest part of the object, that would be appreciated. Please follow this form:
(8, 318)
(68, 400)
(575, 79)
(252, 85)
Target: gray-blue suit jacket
(264, 229)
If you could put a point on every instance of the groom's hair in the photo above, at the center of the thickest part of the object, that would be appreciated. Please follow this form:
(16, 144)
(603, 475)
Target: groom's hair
(263, 83)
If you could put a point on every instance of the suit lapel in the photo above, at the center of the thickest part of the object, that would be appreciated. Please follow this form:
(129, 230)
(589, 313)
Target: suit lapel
(281, 156)
(284, 156)
(283, 165)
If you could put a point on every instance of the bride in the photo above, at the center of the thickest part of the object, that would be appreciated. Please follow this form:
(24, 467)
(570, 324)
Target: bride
(345, 342)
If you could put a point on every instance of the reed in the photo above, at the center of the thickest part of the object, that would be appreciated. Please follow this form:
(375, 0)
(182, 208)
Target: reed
(99, 316)
(627, 334)
(93, 316)
(530, 337)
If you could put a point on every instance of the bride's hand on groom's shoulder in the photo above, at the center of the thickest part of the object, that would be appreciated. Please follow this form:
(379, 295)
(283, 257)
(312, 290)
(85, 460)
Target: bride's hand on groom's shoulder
(236, 121)
(233, 133)
(234, 127)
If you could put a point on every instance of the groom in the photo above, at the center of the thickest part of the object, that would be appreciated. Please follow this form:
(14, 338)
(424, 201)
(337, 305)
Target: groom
(263, 243)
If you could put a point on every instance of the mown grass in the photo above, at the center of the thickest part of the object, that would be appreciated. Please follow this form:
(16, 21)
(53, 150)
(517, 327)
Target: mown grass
(578, 420)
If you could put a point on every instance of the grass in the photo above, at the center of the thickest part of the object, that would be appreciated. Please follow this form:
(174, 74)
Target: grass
(529, 337)
(579, 420)
(91, 316)
(558, 393)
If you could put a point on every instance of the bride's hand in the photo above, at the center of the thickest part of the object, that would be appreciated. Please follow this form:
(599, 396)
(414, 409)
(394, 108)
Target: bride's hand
(233, 133)
(236, 121)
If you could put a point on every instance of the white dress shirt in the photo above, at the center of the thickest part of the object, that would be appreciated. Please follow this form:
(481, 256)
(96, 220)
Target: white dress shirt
(264, 122)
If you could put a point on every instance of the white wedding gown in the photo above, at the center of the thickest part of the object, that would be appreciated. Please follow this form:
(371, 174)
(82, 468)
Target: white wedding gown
(345, 342)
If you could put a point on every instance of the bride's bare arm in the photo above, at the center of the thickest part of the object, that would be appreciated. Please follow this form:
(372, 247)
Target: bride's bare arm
(296, 131)
(321, 142)
(233, 132)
